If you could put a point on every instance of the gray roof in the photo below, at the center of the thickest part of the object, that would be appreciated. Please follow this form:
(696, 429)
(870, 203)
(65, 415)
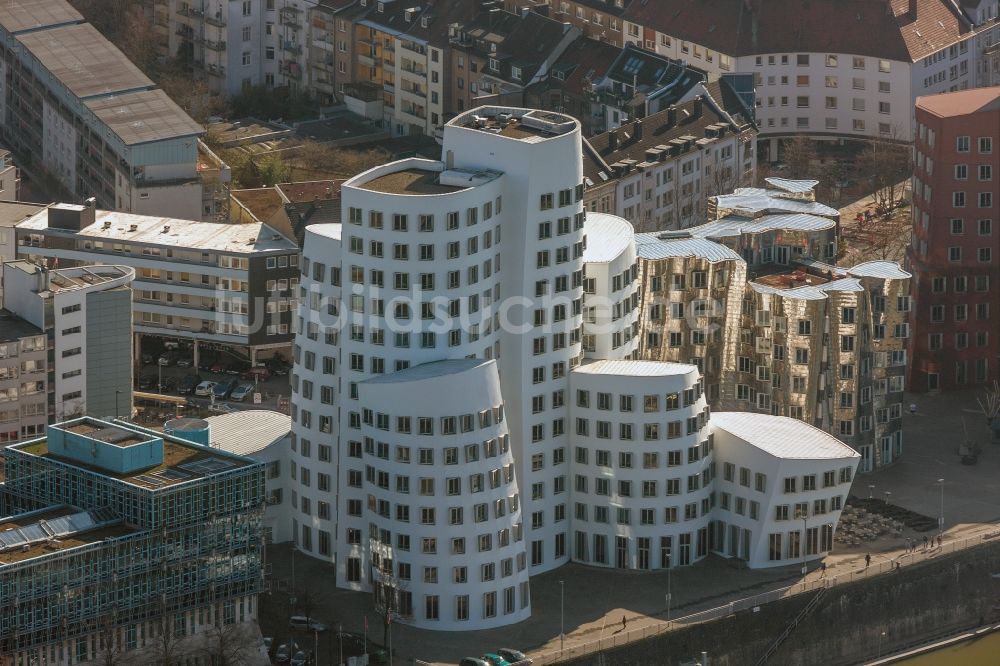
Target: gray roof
(144, 117)
(247, 432)
(754, 201)
(735, 225)
(13, 327)
(792, 186)
(25, 15)
(84, 61)
(636, 368)
(888, 270)
(12, 212)
(782, 437)
(429, 371)
(843, 284)
(651, 246)
(804, 293)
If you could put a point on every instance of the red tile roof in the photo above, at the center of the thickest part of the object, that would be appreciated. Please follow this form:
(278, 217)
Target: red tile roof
(961, 103)
(857, 27)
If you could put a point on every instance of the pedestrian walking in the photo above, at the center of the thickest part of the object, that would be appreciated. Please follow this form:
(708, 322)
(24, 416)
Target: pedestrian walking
(822, 568)
(913, 409)
(624, 623)
(939, 540)
(908, 544)
(868, 560)
(925, 543)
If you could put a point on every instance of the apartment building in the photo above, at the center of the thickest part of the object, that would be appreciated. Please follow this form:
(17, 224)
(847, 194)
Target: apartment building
(658, 171)
(877, 58)
(953, 253)
(86, 316)
(228, 286)
(74, 106)
(749, 299)
(456, 422)
(117, 495)
(599, 20)
(24, 395)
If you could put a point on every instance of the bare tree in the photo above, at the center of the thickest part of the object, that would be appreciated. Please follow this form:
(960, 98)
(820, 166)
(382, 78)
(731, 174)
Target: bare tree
(168, 641)
(110, 645)
(884, 166)
(799, 154)
(228, 644)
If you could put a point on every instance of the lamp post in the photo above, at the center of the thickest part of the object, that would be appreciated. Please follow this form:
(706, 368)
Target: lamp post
(562, 614)
(880, 637)
(871, 490)
(117, 393)
(887, 494)
(805, 541)
(669, 594)
(941, 518)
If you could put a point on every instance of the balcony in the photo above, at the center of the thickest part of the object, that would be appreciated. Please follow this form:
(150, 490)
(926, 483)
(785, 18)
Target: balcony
(219, 21)
(291, 47)
(291, 69)
(190, 11)
(214, 46)
(216, 70)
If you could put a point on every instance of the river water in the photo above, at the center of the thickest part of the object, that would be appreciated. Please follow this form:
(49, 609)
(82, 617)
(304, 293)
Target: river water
(983, 651)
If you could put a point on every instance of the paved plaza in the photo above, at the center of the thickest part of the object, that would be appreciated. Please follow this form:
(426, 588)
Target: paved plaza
(595, 600)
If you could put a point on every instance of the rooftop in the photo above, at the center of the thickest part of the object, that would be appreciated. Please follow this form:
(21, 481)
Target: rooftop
(333, 231)
(961, 103)
(409, 181)
(262, 202)
(13, 212)
(428, 371)
(636, 368)
(67, 279)
(182, 461)
(144, 117)
(171, 232)
(247, 432)
(337, 127)
(735, 225)
(879, 269)
(80, 58)
(665, 246)
(607, 237)
(530, 125)
(14, 328)
(54, 529)
(783, 437)
(25, 15)
(791, 280)
(309, 190)
(753, 201)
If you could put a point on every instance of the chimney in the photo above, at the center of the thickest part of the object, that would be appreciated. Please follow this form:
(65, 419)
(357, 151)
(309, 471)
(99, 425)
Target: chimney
(913, 9)
(698, 101)
(637, 130)
(671, 116)
(613, 140)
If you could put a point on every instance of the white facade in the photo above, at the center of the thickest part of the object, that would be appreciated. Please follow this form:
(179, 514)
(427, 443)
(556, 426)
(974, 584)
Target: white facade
(447, 441)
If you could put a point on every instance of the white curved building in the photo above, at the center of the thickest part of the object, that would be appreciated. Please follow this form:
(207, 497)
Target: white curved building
(611, 288)
(447, 440)
(642, 465)
(443, 510)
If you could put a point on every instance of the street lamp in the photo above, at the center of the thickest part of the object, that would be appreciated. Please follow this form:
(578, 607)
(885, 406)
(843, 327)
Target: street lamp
(887, 494)
(669, 593)
(871, 490)
(805, 540)
(117, 393)
(879, 653)
(941, 518)
(562, 614)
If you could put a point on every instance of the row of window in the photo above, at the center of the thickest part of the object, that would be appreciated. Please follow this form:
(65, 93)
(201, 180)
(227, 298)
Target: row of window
(961, 312)
(425, 223)
(651, 432)
(935, 341)
(830, 60)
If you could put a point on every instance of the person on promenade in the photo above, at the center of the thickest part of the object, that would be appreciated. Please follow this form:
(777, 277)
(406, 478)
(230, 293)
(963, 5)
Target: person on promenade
(624, 623)
(868, 560)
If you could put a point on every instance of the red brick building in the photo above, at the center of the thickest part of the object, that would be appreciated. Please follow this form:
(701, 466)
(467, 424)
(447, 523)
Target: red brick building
(954, 254)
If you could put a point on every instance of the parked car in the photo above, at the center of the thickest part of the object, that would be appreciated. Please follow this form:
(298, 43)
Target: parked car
(259, 373)
(185, 362)
(494, 659)
(217, 367)
(188, 384)
(168, 384)
(269, 646)
(236, 368)
(147, 358)
(148, 382)
(241, 392)
(282, 654)
(515, 657)
(168, 358)
(277, 367)
(303, 623)
(300, 659)
(472, 661)
(204, 389)
(223, 389)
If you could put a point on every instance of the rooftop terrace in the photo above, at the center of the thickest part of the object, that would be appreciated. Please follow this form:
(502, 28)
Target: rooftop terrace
(409, 181)
(516, 123)
(54, 529)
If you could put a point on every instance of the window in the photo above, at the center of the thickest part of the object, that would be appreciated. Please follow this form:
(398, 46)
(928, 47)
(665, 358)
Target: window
(985, 144)
(962, 144)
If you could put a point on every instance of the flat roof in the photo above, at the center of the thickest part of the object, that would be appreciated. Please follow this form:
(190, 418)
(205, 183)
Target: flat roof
(607, 237)
(262, 202)
(182, 461)
(637, 368)
(24, 15)
(66, 279)
(339, 126)
(408, 181)
(13, 212)
(14, 328)
(247, 432)
(782, 436)
(235, 238)
(84, 61)
(65, 542)
(144, 117)
(516, 122)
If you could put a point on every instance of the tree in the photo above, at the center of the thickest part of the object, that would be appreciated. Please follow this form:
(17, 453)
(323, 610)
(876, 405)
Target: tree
(138, 39)
(271, 170)
(885, 166)
(168, 641)
(799, 154)
(228, 644)
(110, 645)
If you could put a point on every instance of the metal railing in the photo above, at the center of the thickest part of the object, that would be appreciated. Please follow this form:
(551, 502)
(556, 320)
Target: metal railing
(748, 603)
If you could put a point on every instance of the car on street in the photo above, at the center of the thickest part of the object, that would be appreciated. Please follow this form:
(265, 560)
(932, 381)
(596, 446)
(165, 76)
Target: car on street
(303, 623)
(282, 654)
(236, 368)
(205, 388)
(168, 358)
(472, 661)
(184, 362)
(258, 373)
(168, 384)
(494, 659)
(241, 392)
(223, 389)
(515, 657)
(277, 367)
(148, 382)
(188, 384)
(217, 367)
(300, 659)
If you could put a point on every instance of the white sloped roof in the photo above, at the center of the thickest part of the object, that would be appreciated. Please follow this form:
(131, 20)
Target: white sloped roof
(247, 432)
(608, 236)
(889, 270)
(636, 368)
(650, 246)
(782, 436)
